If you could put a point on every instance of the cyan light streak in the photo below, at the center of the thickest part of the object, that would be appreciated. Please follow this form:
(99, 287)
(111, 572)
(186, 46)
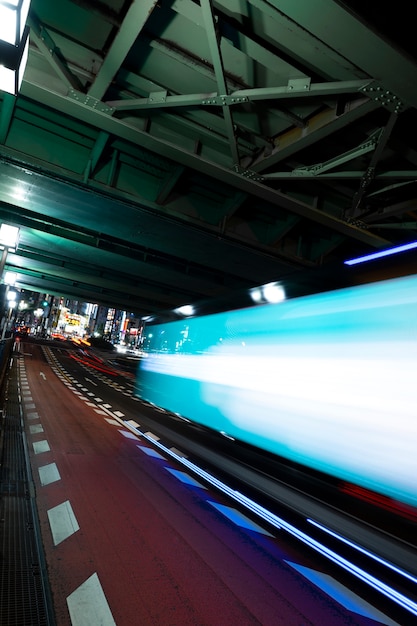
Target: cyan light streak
(330, 379)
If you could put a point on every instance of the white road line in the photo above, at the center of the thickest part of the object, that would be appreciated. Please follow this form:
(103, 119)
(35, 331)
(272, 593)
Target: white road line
(152, 436)
(88, 605)
(128, 434)
(48, 474)
(63, 522)
(151, 452)
(238, 518)
(34, 415)
(342, 594)
(185, 478)
(178, 453)
(35, 429)
(41, 446)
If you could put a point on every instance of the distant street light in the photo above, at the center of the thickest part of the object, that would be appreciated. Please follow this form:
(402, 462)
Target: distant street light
(9, 239)
(11, 300)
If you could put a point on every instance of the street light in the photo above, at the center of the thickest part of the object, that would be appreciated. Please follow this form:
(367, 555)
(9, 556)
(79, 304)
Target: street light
(14, 43)
(10, 278)
(9, 239)
(11, 300)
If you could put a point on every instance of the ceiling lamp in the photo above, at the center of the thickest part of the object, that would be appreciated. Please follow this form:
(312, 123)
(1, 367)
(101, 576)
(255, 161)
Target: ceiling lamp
(9, 237)
(14, 43)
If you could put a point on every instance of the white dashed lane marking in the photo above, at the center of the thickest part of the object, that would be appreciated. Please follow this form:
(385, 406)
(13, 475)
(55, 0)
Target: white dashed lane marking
(34, 429)
(41, 446)
(151, 452)
(88, 604)
(238, 518)
(63, 522)
(342, 595)
(185, 478)
(128, 434)
(48, 474)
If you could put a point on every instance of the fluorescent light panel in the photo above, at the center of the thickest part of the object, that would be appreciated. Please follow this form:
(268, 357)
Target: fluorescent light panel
(9, 236)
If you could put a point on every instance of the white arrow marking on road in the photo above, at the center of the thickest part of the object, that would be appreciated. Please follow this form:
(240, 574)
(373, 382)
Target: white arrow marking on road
(43, 375)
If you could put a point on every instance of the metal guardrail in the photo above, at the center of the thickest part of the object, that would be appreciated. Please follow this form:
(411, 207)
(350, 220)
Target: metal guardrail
(6, 347)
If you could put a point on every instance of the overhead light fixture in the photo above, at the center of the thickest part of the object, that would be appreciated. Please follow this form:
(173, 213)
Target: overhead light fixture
(10, 278)
(9, 237)
(378, 255)
(11, 298)
(14, 43)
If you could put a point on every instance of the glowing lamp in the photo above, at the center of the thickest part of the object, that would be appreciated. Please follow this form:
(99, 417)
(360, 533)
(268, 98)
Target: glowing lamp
(9, 237)
(10, 278)
(11, 298)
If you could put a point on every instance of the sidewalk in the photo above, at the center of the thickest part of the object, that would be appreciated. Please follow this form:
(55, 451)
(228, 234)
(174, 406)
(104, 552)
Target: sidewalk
(24, 589)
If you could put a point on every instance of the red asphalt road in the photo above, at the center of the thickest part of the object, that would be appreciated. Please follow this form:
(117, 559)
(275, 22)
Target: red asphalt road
(163, 554)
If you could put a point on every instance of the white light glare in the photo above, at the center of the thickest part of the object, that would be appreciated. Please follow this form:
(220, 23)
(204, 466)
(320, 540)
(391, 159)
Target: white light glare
(9, 236)
(11, 298)
(382, 253)
(280, 523)
(222, 432)
(185, 310)
(274, 293)
(10, 278)
(271, 293)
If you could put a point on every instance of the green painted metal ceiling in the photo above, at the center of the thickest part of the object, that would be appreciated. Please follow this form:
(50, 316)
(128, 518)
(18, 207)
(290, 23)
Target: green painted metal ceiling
(161, 153)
